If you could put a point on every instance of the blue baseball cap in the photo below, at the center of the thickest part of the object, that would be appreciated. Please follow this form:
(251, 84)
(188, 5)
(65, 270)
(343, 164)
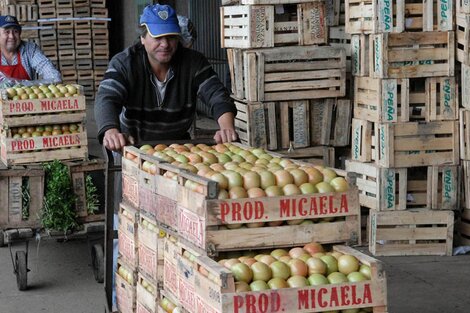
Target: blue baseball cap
(160, 20)
(9, 21)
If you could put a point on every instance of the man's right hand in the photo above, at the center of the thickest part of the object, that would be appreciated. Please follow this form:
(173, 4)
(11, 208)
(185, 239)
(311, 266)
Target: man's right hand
(114, 140)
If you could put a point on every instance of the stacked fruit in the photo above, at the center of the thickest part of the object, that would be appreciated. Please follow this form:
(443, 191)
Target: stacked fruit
(45, 130)
(41, 92)
(126, 274)
(245, 173)
(169, 306)
(298, 267)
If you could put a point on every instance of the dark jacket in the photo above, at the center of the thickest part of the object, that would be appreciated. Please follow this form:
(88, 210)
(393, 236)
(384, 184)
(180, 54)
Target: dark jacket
(127, 98)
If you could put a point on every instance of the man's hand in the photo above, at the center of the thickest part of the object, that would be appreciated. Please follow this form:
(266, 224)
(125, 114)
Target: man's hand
(225, 135)
(227, 131)
(114, 140)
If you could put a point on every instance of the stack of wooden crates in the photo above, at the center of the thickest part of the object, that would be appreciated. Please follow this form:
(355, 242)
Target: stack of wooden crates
(170, 236)
(405, 133)
(287, 82)
(463, 59)
(73, 34)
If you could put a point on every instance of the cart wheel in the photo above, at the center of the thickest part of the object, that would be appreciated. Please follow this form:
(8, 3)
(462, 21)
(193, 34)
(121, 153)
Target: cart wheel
(21, 270)
(97, 259)
(2, 238)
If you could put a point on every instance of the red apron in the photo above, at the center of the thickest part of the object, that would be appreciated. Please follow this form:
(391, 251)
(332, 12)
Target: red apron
(15, 71)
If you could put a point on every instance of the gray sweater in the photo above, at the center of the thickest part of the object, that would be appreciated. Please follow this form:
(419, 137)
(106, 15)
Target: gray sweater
(128, 98)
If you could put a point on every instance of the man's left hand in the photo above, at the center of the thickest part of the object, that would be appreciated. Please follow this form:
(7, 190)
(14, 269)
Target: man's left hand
(225, 135)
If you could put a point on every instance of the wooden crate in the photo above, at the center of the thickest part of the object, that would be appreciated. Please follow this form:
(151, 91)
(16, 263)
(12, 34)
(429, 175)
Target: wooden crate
(69, 76)
(462, 35)
(377, 16)
(360, 55)
(201, 294)
(465, 86)
(64, 4)
(297, 124)
(405, 144)
(81, 24)
(462, 6)
(21, 197)
(100, 34)
(408, 55)
(126, 294)
(332, 12)
(390, 189)
(46, 3)
(99, 24)
(23, 12)
(288, 73)
(259, 2)
(82, 11)
(466, 184)
(338, 38)
(97, 3)
(81, 54)
(67, 54)
(151, 246)
(465, 134)
(416, 232)
(65, 65)
(99, 12)
(262, 27)
(464, 228)
(320, 155)
(146, 298)
(65, 44)
(46, 12)
(404, 100)
(81, 3)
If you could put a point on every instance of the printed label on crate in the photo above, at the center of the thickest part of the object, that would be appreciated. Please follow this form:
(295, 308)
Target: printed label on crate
(355, 54)
(389, 186)
(449, 186)
(127, 225)
(186, 294)
(170, 279)
(317, 299)
(166, 212)
(385, 15)
(40, 143)
(445, 14)
(203, 307)
(389, 101)
(130, 190)
(43, 106)
(447, 90)
(286, 208)
(141, 308)
(148, 261)
(316, 20)
(356, 142)
(191, 227)
(127, 247)
(123, 297)
(148, 201)
(378, 55)
(258, 24)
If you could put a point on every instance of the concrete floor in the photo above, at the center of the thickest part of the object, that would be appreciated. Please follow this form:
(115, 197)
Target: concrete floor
(61, 278)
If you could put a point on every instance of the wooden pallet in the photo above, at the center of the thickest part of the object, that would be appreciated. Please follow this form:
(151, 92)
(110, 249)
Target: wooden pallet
(288, 73)
(404, 100)
(377, 16)
(195, 290)
(416, 232)
(408, 55)
(405, 144)
(263, 27)
(393, 189)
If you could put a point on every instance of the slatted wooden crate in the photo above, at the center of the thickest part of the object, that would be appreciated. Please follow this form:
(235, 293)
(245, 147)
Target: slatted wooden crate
(21, 197)
(85, 64)
(263, 27)
(66, 65)
(297, 124)
(82, 24)
(46, 3)
(82, 11)
(404, 100)
(30, 32)
(126, 293)
(406, 144)
(464, 228)
(151, 246)
(259, 2)
(416, 232)
(462, 6)
(360, 55)
(147, 297)
(462, 35)
(465, 86)
(97, 3)
(340, 39)
(65, 44)
(81, 54)
(332, 9)
(465, 134)
(377, 16)
(81, 3)
(201, 218)
(466, 184)
(47, 12)
(408, 55)
(390, 189)
(320, 155)
(288, 73)
(24, 13)
(198, 290)
(64, 4)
